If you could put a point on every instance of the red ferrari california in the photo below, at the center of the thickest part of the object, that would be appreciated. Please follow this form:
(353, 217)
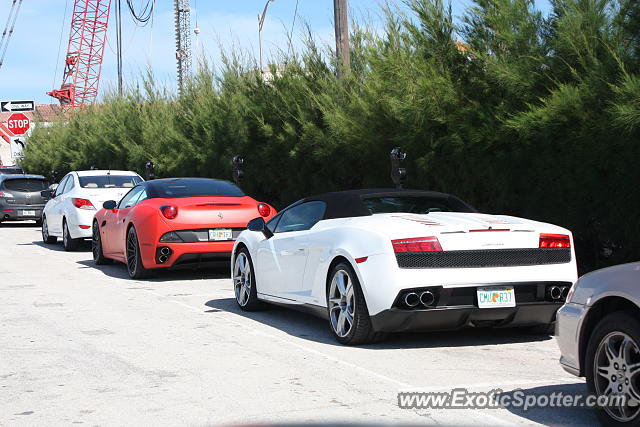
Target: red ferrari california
(173, 222)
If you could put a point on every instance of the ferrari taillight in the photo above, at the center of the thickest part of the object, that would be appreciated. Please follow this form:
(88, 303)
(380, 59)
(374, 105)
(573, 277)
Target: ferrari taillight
(419, 244)
(83, 204)
(555, 241)
(264, 209)
(169, 212)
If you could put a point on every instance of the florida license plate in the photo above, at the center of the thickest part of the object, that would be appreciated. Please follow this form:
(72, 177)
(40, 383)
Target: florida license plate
(28, 213)
(495, 297)
(220, 234)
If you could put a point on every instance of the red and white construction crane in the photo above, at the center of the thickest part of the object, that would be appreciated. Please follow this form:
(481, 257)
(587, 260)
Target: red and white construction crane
(83, 62)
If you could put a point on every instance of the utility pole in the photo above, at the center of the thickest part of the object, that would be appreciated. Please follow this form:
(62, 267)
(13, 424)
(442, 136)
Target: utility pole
(183, 41)
(119, 43)
(343, 52)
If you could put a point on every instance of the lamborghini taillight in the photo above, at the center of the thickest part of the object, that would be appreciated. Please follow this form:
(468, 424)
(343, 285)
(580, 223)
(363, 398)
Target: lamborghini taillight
(555, 241)
(419, 244)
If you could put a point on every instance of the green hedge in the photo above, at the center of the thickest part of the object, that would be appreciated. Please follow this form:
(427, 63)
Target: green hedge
(536, 116)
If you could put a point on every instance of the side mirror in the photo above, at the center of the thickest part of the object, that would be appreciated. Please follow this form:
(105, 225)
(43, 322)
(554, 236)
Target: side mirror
(47, 194)
(110, 204)
(258, 224)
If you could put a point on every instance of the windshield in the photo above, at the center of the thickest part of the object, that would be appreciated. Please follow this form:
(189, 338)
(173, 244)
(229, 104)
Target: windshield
(415, 204)
(109, 181)
(27, 185)
(196, 188)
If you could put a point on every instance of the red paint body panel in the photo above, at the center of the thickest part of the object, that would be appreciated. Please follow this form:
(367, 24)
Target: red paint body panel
(193, 213)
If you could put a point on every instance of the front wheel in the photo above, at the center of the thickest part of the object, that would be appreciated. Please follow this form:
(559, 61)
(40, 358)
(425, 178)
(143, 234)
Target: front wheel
(348, 314)
(96, 246)
(45, 233)
(244, 284)
(612, 366)
(135, 268)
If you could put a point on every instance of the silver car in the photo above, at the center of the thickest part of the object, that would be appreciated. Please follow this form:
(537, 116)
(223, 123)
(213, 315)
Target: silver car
(598, 332)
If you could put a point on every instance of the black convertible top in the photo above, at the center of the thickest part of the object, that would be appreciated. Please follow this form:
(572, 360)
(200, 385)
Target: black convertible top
(347, 204)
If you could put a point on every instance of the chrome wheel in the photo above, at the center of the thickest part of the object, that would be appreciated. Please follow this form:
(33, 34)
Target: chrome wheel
(616, 367)
(341, 303)
(132, 252)
(242, 279)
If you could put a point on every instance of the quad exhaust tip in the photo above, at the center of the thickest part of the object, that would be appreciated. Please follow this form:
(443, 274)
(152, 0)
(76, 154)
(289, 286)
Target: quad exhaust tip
(555, 292)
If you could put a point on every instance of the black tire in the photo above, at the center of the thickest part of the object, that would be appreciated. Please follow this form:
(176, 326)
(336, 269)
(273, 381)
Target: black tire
(45, 233)
(38, 223)
(352, 305)
(96, 246)
(135, 268)
(68, 243)
(244, 282)
(606, 331)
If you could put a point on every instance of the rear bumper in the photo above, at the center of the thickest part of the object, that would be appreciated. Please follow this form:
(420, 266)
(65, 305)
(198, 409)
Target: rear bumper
(450, 318)
(188, 254)
(11, 212)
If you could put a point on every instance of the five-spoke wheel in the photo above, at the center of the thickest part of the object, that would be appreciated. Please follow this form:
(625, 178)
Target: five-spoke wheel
(243, 281)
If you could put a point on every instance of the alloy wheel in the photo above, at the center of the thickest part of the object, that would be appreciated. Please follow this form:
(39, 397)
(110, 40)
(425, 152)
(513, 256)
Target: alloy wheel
(45, 230)
(616, 368)
(95, 242)
(132, 252)
(242, 279)
(341, 303)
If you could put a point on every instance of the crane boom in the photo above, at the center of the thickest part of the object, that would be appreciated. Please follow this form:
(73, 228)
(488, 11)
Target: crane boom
(8, 30)
(83, 62)
(183, 40)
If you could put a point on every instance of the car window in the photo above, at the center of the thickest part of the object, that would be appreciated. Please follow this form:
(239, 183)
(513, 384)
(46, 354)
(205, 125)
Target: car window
(130, 198)
(31, 185)
(62, 186)
(301, 217)
(109, 181)
(415, 204)
(143, 196)
(273, 222)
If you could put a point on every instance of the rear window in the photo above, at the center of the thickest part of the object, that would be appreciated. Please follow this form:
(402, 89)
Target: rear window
(415, 204)
(109, 181)
(196, 188)
(26, 185)
(11, 171)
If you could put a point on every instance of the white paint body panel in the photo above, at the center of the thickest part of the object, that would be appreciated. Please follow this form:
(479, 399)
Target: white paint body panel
(296, 272)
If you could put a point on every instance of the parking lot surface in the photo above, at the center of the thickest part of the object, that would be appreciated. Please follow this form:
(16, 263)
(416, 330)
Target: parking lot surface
(81, 344)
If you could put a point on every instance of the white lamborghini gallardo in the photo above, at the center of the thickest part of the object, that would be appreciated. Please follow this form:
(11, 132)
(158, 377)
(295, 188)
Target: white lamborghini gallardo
(377, 261)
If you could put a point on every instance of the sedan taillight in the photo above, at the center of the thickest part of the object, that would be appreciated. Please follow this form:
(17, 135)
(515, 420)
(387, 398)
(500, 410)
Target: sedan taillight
(419, 244)
(83, 204)
(554, 241)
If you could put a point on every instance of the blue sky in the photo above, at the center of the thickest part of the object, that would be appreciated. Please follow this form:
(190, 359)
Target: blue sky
(32, 57)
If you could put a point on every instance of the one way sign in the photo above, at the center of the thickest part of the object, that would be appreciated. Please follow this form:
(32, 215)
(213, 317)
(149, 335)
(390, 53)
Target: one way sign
(17, 106)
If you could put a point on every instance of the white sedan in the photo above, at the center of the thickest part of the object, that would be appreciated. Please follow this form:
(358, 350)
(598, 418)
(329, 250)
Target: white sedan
(70, 211)
(376, 261)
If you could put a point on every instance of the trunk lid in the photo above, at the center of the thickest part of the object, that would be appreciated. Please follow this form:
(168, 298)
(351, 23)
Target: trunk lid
(212, 212)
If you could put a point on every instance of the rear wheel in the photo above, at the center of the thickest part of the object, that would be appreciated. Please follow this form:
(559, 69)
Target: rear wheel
(68, 242)
(135, 268)
(244, 283)
(45, 233)
(348, 314)
(96, 246)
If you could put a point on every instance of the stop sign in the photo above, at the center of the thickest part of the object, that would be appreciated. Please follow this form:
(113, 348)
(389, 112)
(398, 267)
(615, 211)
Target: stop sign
(18, 123)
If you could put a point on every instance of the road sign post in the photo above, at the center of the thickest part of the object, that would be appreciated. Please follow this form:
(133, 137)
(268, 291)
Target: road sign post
(17, 106)
(18, 123)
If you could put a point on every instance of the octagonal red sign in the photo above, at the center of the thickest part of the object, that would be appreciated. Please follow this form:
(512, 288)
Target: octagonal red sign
(18, 123)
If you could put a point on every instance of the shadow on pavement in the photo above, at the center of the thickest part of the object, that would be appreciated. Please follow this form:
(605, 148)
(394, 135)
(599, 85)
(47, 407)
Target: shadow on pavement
(19, 224)
(556, 416)
(84, 246)
(119, 271)
(312, 328)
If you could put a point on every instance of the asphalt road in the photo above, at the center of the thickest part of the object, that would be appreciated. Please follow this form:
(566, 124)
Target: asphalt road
(81, 344)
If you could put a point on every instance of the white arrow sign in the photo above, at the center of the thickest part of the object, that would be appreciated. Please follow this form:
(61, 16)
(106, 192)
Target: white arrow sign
(17, 145)
(17, 106)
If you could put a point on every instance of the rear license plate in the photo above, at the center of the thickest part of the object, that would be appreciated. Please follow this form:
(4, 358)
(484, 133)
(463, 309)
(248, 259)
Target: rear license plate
(28, 213)
(502, 296)
(220, 234)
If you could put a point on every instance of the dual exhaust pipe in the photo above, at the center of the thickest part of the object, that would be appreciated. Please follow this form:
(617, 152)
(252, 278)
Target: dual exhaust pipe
(557, 293)
(163, 254)
(426, 298)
